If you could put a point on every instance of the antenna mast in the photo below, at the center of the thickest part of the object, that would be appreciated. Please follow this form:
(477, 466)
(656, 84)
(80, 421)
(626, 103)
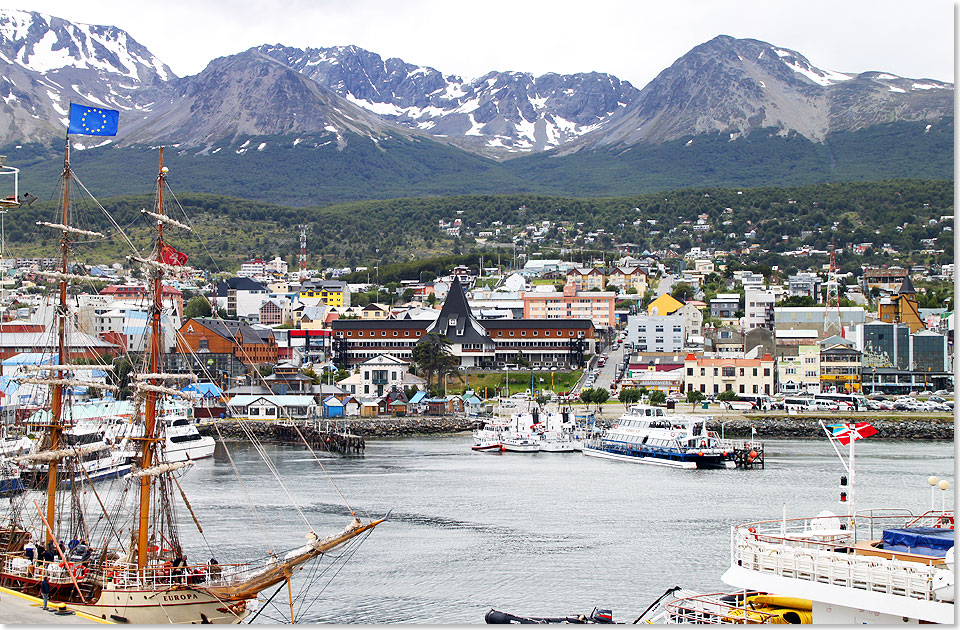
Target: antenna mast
(303, 250)
(832, 323)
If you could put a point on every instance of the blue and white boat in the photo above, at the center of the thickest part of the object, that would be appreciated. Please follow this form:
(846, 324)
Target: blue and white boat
(10, 482)
(647, 435)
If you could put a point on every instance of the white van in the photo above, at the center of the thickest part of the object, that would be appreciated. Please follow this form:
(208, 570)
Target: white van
(794, 405)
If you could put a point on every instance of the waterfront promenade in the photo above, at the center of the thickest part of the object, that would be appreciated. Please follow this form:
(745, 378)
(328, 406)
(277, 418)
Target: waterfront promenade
(735, 424)
(17, 608)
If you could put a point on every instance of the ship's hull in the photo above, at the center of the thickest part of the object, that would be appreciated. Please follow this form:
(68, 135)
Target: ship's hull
(495, 447)
(521, 446)
(179, 605)
(548, 446)
(10, 486)
(197, 449)
(173, 603)
(685, 463)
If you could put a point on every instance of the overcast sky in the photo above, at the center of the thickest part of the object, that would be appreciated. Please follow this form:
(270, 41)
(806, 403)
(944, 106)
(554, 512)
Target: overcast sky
(633, 40)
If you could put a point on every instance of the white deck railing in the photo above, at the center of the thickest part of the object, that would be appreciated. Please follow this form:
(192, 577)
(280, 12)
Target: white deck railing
(821, 550)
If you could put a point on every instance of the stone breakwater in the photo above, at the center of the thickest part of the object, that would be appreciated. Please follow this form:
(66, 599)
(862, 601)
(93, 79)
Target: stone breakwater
(364, 427)
(739, 427)
(899, 428)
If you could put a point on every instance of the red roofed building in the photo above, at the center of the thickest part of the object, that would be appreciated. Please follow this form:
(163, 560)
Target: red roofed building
(743, 376)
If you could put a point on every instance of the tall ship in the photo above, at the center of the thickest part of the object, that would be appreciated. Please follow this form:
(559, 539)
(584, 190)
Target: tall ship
(125, 561)
(648, 435)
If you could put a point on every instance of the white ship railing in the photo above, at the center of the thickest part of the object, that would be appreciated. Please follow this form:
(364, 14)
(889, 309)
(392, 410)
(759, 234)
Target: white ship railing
(821, 549)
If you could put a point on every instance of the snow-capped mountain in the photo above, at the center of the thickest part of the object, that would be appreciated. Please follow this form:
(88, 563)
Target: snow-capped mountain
(47, 62)
(499, 113)
(735, 86)
(724, 86)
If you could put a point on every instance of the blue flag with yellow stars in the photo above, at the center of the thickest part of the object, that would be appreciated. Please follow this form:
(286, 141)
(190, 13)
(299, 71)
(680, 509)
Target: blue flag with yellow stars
(93, 121)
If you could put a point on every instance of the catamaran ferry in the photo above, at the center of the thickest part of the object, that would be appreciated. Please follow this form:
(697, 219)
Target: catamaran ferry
(647, 435)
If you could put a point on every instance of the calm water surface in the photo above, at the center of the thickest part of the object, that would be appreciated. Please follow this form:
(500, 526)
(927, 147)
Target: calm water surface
(538, 534)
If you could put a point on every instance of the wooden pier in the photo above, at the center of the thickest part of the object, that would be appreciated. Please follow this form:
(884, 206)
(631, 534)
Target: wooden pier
(319, 436)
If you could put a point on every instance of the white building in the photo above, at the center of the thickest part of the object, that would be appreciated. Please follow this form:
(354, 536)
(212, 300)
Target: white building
(758, 308)
(656, 333)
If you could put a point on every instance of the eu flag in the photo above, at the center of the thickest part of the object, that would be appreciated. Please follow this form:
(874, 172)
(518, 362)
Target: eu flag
(93, 121)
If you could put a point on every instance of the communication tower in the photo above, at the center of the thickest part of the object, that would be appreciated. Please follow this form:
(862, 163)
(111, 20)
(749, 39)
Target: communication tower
(832, 324)
(303, 250)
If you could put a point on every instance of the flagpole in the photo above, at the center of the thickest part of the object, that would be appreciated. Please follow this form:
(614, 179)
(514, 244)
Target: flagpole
(830, 439)
(853, 484)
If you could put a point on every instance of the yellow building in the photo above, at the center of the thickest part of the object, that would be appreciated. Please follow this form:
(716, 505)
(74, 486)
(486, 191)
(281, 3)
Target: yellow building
(664, 305)
(840, 365)
(330, 293)
(628, 278)
(902, 308)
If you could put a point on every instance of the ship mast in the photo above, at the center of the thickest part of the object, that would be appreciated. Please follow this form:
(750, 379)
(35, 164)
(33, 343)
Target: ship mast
(150, 414)
(56, 412)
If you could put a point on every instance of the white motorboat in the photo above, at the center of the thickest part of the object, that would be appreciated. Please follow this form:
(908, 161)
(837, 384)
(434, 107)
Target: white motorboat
(557, 433)
(647, 435)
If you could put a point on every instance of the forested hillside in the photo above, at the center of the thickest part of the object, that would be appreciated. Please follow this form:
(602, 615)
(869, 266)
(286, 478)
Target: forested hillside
(229, 230)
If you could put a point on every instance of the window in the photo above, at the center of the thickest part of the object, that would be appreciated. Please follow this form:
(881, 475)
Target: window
(383, 333)
(754, 371)
(729, 371)
(395, 333)
(741, 372)
(766, 371)
(689, 371)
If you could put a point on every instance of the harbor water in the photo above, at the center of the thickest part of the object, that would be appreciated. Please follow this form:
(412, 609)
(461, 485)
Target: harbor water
(536, 534)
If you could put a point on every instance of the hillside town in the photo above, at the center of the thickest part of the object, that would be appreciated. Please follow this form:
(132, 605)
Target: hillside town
(284, 343)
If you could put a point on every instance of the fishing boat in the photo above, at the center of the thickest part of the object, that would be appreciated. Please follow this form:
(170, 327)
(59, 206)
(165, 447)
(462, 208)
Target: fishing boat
(522, 432)
(134, 568)
(13, 445)
(886, 565)
(488, 437)
(648, 435)
(557, 432)
(10, 482)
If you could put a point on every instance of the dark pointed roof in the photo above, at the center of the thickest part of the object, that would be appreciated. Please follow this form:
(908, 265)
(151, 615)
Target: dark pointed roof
(456, 321)
(906, 288)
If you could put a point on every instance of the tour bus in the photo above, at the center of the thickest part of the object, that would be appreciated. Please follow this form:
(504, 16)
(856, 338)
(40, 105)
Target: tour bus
(759, 401)
(795, 404)
(847, 402)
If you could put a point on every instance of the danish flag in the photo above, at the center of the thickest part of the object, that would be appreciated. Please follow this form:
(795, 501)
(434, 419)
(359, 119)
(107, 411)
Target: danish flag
(846, 433)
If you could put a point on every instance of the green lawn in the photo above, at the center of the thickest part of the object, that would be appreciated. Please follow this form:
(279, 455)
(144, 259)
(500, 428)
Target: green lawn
(485, 384)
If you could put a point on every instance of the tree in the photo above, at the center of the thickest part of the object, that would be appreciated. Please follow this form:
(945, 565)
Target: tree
(122, 367)
(586, 395)
(682, 291)
(629, 396)
(432, 355)
(198, 306)
(657, 397)
(694, 396)
(727, 394)
(600, 396)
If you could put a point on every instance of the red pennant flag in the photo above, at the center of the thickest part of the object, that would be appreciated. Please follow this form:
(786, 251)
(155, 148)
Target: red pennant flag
(171, 256)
